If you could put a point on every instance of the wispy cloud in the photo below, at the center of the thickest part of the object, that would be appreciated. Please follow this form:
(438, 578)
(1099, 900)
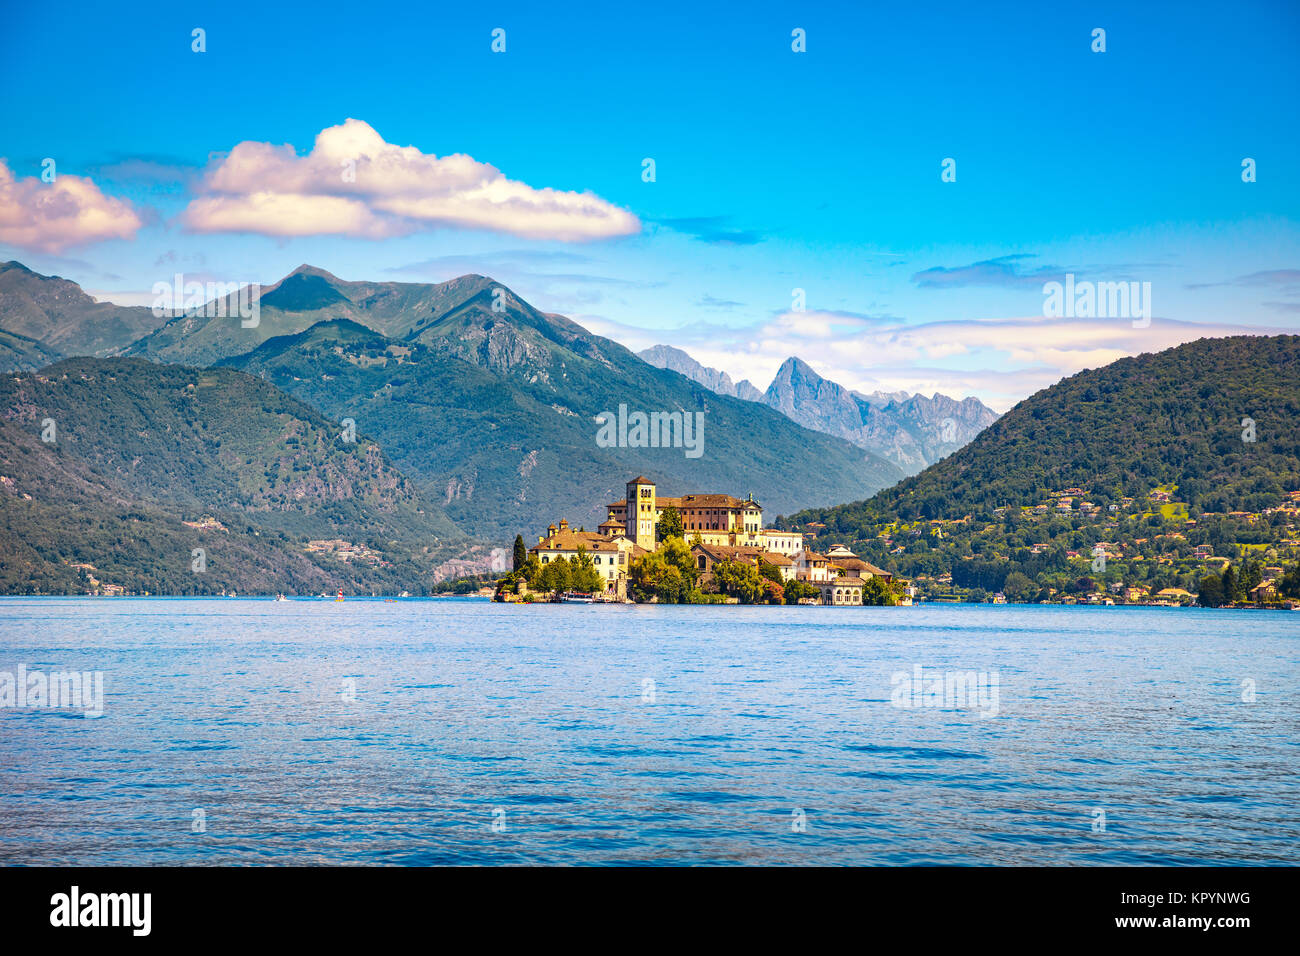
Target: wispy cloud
(707, 301)
(1003, 271)
(1012, 272)
(713, 229)
(1288, 280)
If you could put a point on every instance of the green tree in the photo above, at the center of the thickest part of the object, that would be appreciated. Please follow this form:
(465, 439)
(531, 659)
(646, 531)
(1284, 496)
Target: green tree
(583, 575)
(773, 593)
(876, 592)
(794, 590)
(1289, 584)
(739, 580)
(521, 552)
(1210, 592)
(771, 572)
(670, 524)
(678, 553)
(556, 576)
(654, 576)
(1229, 584)
(1018, 587)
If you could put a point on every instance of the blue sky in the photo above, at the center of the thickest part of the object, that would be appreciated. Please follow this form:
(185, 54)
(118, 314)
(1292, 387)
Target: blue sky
(775, 170)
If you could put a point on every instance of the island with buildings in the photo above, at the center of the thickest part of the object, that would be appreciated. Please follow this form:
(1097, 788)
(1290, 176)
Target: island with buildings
(693, 549)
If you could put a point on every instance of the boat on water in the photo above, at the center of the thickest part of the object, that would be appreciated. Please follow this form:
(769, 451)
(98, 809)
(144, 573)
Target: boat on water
(576, 597)
(340, 597)
(281, 597)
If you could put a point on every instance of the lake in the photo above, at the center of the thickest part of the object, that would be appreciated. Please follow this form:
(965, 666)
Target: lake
(458, 731)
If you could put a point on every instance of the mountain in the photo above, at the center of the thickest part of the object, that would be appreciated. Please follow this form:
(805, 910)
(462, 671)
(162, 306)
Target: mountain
(61, 318)
(911, 431)
(488, 403)
(1171, 419)
(493, 415)
(665, 356)
(399, 310)
(138, 449)
(19, 353)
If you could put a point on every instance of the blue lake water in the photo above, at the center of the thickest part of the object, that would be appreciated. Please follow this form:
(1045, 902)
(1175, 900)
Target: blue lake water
(462, 732)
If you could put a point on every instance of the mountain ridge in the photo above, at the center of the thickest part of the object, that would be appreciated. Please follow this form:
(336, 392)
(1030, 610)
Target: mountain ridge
(910, 430)
(136, 449)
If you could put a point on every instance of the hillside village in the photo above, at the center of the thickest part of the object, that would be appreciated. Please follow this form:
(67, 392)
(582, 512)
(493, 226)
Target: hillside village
(1144, 551)
(697, 548)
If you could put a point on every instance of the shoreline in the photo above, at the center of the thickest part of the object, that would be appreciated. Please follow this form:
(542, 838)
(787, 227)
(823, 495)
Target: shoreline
(394, 599)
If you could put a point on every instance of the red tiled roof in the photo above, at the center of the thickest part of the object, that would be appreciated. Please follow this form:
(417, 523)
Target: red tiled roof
(570, 540)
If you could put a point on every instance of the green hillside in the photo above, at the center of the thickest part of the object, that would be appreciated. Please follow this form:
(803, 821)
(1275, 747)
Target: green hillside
(140, 448)
(61, 318)
(494, 418)
(20, 353)
(1153, 445)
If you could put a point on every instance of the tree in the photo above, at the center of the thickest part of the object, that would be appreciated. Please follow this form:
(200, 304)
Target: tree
(583, 575)
(1210, 592)
(1018, 587)
(670, 524)
(773, 592)
(678, 553)
(1229, 585)
(1289, 585)
(877, 593)
(556, 576)
(739, 580)
(654, 576)
(531, 572)
(521, 552)
(771, 572)
(794, 590)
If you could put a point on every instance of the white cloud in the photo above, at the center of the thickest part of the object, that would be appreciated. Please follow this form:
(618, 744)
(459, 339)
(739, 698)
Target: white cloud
(50, 217)
(396, 190)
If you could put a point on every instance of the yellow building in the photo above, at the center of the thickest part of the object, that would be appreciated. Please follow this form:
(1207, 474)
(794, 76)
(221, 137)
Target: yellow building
(610, 554)
(716, 519)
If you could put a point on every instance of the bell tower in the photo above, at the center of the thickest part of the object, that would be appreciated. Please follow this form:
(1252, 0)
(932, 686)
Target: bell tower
(642, 513)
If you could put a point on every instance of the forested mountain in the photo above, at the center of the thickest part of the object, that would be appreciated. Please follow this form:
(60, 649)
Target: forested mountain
(18, 352)
(103, 460)
(1172, 463)
(61, 318)
(489, 404)
(493, 414)
(1166, 418)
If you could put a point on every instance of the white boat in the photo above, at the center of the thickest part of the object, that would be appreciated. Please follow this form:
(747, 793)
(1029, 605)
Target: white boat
(576, 597)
